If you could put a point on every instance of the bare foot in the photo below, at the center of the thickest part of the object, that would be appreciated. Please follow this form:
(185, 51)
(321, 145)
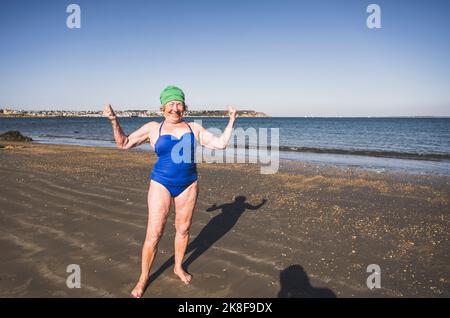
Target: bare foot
(184, 276)
(138, 291)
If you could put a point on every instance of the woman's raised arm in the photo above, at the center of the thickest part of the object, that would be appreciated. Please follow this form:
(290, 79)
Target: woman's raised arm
(211, 141)
(123, 141)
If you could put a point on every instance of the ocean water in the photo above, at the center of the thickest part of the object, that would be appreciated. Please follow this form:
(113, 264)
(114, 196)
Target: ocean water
(420, 145)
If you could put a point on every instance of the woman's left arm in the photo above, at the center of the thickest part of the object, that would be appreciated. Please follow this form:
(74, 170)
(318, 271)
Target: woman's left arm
(211, 141)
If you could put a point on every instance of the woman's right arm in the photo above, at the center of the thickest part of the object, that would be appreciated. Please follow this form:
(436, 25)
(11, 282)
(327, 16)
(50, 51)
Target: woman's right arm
(123, 141)
(211, 141)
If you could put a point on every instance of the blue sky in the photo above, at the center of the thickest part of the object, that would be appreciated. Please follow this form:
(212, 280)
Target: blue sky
(286, 58)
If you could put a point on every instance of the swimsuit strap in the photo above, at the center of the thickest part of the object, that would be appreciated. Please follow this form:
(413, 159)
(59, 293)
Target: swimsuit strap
(160, 126)
(189, 127)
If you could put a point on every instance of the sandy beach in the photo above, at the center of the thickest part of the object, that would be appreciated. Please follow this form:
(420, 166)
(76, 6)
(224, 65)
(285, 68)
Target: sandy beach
(306, 231)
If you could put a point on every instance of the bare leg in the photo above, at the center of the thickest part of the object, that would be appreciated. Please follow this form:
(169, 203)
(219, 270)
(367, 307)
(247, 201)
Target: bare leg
(158, 209)
(184, 206)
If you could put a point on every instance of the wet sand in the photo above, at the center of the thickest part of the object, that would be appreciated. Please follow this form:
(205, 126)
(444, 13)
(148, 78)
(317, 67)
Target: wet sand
(307, 231)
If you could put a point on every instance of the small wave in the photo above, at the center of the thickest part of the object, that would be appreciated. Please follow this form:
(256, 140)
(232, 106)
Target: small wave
(370, 153)
(73, 137)
(358, 152)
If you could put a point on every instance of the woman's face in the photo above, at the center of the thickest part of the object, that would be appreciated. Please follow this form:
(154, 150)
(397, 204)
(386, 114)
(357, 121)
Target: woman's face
(173, 111)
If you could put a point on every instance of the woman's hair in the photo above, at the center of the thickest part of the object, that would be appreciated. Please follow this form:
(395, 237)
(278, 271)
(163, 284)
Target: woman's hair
(163, 107)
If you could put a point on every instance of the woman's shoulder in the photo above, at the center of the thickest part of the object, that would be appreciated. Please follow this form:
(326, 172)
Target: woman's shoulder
(194, 125)
(152, 124)
(152, 128)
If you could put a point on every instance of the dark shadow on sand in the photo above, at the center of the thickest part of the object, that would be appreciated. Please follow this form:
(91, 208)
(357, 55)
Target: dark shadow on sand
(295, 284)
(216, 228)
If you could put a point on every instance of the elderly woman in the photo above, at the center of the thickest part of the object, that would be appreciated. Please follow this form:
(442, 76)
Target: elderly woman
(172, 178)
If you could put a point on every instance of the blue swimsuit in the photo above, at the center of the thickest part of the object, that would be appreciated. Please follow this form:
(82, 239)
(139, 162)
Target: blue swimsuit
(174, 169)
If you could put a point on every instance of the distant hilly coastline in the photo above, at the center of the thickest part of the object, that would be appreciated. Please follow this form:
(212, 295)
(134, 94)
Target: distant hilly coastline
(122, 113)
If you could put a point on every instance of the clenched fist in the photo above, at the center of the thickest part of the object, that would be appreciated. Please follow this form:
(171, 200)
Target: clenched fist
(232, 112)
(108, 112)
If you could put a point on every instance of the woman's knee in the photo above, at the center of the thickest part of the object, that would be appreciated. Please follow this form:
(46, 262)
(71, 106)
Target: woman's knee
(153, 237)
(182, 228)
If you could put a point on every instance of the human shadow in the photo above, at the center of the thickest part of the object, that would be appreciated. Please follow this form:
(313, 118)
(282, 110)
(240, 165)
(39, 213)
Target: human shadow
(216, 228)
(295, 284)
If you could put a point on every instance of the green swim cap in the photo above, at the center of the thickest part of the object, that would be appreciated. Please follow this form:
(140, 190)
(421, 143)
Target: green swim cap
(171, 93)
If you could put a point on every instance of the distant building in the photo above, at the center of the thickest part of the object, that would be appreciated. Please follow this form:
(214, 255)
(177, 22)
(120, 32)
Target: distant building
(8, 111)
